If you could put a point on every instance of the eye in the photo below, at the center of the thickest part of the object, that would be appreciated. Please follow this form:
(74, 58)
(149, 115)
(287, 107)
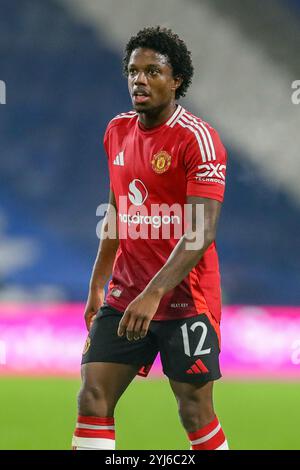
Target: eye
(132, 72)
(153, 72)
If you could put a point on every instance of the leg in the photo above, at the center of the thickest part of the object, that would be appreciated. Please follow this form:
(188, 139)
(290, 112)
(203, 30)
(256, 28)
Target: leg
(102, 386)
(109, 364)
(195, 404)
(190, 357)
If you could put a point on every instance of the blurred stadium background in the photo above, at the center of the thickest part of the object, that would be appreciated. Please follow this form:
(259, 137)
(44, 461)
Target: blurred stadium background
(61, 63)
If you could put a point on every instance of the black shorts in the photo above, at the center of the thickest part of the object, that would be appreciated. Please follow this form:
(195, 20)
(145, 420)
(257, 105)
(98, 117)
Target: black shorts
(188, 347)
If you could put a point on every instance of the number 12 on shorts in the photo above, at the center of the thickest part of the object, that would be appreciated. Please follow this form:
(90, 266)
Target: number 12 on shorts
(186, 342)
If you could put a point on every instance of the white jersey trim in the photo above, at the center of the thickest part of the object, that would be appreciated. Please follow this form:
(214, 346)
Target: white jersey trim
(194, 131)
(174, 116)
(128, 115)
(178, 117)
(206, 138)
(203, 126)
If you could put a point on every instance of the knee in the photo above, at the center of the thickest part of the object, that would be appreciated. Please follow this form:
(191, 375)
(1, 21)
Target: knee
(90, 393)
(195, 413)
(93, 401)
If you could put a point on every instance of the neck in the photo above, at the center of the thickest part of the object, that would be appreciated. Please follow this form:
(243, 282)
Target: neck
(158, 116)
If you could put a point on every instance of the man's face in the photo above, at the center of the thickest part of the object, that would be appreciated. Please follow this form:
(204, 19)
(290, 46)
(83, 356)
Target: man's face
(150, 80)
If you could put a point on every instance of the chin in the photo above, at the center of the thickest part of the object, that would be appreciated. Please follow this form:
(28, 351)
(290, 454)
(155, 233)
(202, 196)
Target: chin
(141, 109)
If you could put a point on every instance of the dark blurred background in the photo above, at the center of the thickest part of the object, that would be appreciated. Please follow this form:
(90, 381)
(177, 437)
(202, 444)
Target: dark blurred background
(61, 65)
(61, 62)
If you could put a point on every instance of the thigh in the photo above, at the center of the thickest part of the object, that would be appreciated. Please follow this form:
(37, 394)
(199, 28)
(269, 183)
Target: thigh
(110, 379)
(193, 392)
(195, 403)
(190, 350)
(103, 345)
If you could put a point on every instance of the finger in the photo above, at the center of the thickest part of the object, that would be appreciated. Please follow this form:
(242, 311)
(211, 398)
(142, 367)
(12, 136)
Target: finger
(145, 328)
(130, 329)
(123, 324)
(137, 329)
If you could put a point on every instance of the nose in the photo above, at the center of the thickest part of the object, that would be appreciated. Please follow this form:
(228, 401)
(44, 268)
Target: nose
(140, 78)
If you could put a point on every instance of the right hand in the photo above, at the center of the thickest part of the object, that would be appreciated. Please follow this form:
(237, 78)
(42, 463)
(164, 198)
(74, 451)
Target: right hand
(94, 302)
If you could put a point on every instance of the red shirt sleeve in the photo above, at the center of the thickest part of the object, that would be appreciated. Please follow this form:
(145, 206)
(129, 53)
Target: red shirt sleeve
(205, 161)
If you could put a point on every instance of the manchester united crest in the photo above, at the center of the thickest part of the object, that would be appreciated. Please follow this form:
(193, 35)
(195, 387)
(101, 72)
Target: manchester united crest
(86, 346)
(161, 162)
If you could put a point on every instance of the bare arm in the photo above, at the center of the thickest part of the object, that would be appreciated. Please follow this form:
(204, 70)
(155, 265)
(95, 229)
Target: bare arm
(103, 265)
(136, 319)
(183, 258)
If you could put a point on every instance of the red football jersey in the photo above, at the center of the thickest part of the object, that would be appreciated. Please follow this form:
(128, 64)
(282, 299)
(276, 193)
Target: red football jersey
(154, 167)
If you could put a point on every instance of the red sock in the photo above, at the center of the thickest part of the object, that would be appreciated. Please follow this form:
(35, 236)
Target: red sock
(93, 433)
(210, 437)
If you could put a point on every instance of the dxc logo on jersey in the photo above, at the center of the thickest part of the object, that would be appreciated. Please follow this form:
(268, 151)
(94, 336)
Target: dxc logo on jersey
(209, 170)
(137, 193)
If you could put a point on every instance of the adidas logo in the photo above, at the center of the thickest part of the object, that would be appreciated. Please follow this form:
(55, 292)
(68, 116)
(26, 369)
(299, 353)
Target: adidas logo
(119, 160)
(197, 368)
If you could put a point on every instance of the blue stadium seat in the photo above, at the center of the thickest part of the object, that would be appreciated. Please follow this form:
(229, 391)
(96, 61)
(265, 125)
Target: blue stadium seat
(53, 171)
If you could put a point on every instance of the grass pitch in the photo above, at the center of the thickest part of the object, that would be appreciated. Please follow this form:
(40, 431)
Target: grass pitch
(40, 413)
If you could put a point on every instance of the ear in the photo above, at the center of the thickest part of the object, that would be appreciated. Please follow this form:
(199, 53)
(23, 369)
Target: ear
(177, 82)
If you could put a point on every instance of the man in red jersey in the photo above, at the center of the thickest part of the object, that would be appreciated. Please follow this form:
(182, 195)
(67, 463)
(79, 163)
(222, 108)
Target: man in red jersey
(167, 174)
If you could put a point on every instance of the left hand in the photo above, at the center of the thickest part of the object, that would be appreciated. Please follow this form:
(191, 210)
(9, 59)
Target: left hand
(138, 315)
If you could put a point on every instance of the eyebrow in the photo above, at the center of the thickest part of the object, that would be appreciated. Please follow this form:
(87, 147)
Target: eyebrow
(147, 66)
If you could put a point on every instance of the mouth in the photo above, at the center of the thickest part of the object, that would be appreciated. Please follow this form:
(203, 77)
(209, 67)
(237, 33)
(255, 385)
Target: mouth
(140, 97)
